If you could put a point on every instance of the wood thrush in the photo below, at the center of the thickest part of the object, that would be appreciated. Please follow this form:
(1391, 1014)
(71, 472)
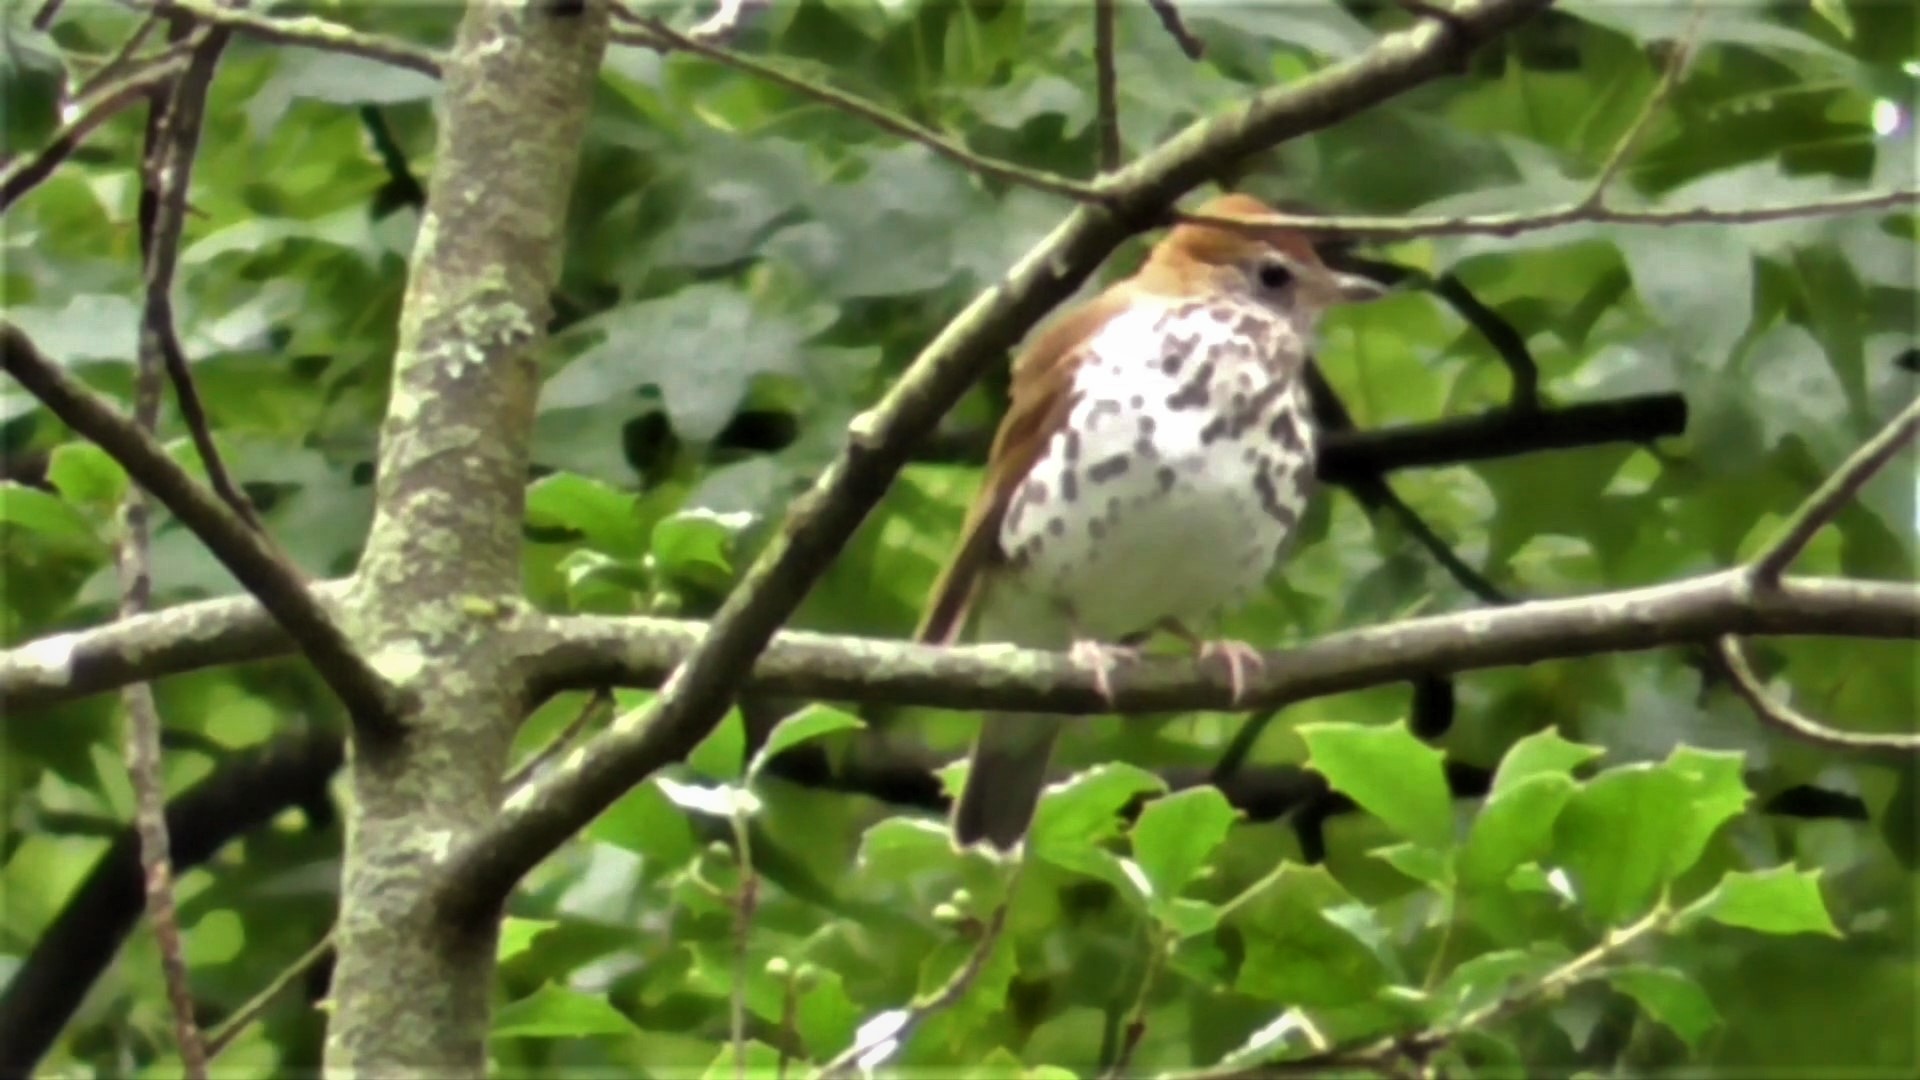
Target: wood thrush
(1156, 456)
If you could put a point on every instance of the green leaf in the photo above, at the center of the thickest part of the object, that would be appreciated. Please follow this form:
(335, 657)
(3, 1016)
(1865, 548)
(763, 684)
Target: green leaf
(759, 1060)
(1672, 998)
(1084, 811)
(1543, 751)
(555, 1012)
(1175, 835)
(517, 934)
(605, 515)
(1717, 792)
(86, 475)
(1297, 952)
(1422, 864)
(1187, 917)
(1616, 837)
(1631, 831)
(722, 754)
(1390, 773)
(49, 517)
(1782, 900)
(1514, 826)
(697, 547)
(1491, 976)
(809, 723)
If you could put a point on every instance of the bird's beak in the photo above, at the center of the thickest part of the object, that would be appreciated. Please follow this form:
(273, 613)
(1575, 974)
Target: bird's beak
(1339, 288)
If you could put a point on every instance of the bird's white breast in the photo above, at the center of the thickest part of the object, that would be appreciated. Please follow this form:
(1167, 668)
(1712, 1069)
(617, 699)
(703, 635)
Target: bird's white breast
(1184, 465)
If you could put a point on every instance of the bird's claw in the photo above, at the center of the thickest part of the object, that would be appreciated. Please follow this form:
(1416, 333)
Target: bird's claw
(1240, 658)
(1101, 659)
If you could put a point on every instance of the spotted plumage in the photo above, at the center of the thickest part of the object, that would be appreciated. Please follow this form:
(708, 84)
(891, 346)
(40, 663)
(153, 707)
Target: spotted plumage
(1153, 465)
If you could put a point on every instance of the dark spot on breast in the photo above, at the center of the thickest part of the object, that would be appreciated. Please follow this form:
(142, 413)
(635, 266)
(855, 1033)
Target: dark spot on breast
(1016, 510)
(1192, 394)
(1270, 502)
(1104, 407)
(1136, 403)
(1069, 448)
(1056, 526)
(1253, 326)
(1096, 528)
(1284, 430)
(1213, 430)
(1102, 471)
(1165, 476)
(1069, 485)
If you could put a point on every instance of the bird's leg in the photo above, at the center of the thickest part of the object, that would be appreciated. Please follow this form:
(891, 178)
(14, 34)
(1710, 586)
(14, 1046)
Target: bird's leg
(1239, 656)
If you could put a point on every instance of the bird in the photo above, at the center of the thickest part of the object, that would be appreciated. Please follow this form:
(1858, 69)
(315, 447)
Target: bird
(1150, 471)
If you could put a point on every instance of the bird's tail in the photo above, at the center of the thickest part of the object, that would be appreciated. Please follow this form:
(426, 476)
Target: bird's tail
(1008, 770)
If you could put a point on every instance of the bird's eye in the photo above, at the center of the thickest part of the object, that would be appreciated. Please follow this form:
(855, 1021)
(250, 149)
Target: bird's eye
(1275, 274)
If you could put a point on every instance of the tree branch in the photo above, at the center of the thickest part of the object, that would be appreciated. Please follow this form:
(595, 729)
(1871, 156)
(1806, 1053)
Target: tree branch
(1825, 503)
(581, 652)
(649, 33)
(1106, 85)
(312, 32)
(29, 172)
(250, 556)
(1783, 718)
(1574, 213)
(1175, 26)
(484, 869)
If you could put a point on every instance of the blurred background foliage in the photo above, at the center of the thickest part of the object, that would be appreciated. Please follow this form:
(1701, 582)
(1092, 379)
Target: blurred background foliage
(747, 269)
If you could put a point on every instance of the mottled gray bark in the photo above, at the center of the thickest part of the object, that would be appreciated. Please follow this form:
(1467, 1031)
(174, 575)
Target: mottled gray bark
(410, 990)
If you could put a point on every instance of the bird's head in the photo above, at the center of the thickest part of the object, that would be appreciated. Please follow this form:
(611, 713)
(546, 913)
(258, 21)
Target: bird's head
(1274, 267)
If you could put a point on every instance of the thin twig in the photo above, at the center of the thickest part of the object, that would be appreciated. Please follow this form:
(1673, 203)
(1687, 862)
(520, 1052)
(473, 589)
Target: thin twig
(312, 32)
(259, 565)
(169, 179)
(599, 702)
(1408, 1053)
(650, 33)
(29, 172)
(222, 1036)
(1177, 27)
(1574, 213)
(142, 747)
(1783, 718)
(121, 58)
(1839, 489)
(1106, 85)
(745, 904)
(948, 995)
(1662, 89)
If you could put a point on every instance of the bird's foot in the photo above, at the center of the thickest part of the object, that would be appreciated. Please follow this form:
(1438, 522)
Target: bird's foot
(1101, 659)
(1239, 656)
(1240, 659)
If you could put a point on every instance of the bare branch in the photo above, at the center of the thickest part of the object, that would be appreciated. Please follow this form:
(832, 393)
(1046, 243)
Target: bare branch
(174, 136)
(1177, 27)
(251, 557)
(1106, 85)
(654, 34)
(880, 1039)
(312, 32)
(29, 172)
(1576, 213)
(1783, 718)
(1839, 489)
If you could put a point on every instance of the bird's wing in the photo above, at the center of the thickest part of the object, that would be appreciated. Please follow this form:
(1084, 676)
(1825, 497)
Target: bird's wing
(1042, 396)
